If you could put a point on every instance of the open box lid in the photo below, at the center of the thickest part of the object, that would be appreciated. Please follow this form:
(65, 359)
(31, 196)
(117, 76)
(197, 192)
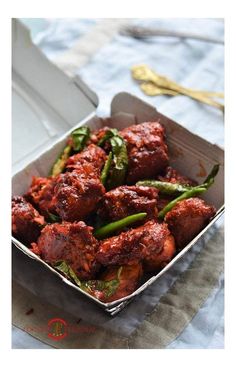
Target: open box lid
(45, 102)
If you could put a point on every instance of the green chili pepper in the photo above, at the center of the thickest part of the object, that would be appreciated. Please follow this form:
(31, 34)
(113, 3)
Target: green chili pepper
(210, 178)
(110, 228)
(188, 194)
(106, 169)
(167, 188)
(60, 163)
(192, 191)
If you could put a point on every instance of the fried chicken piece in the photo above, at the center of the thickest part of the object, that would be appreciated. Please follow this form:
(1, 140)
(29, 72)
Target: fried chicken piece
(158, 261)
(128, 277)
(187, 219)
(147, 151)
(41, 193)
(71, 195)
(72, 242)
(133, 245)
(92, 155)
(26, 221)
(126, 200)
(173, 176)
(76, 194)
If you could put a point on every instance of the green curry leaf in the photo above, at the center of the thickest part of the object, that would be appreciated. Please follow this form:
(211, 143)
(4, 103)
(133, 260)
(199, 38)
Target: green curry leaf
(118, 166)
(64, 268)
(109, 287)
(80, 137)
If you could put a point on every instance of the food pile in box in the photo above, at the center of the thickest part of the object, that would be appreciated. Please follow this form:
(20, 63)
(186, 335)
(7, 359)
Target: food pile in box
(112, 209)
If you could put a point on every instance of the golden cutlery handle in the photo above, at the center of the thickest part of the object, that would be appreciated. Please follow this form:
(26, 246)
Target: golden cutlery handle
(167, 86)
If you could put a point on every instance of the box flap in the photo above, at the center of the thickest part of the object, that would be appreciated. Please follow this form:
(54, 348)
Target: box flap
(45, 101)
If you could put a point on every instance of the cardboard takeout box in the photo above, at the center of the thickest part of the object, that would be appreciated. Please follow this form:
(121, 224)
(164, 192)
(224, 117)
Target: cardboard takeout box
(47, 105)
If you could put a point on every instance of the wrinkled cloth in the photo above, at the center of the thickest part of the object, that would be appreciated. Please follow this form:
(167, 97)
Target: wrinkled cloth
(194, 64)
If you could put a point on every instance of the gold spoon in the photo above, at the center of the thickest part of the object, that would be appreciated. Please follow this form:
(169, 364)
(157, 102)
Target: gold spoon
(145, 74)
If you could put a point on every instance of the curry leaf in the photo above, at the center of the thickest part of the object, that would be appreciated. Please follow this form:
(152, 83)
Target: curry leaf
(64, 268)
(109, 287)
(79, 137)
(108, 135)
(119, 158)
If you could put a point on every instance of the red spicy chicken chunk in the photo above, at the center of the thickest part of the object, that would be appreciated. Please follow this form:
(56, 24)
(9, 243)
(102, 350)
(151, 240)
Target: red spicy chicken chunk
(129, 277)
(71, 195)
(187, 219)
(41, 194)
(147, 151)
(26, 221)
(72, 242)
(126, 200)
(91, 155)
(133, 245)
(158, 261)
(76, 194)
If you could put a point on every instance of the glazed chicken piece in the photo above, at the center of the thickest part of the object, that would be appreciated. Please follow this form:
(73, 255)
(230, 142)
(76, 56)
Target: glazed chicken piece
(126, 200)
(128, 277)
(27, 223)
(72, 242)
(173, 176)
(187, 219)
(147, 151)
(134, 245)
(156, 262)
(71, 195)
(76, 194)
(41, 193)
(91, 155)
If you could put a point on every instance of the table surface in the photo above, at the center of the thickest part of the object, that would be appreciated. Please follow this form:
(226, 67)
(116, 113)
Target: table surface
(105, 67)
